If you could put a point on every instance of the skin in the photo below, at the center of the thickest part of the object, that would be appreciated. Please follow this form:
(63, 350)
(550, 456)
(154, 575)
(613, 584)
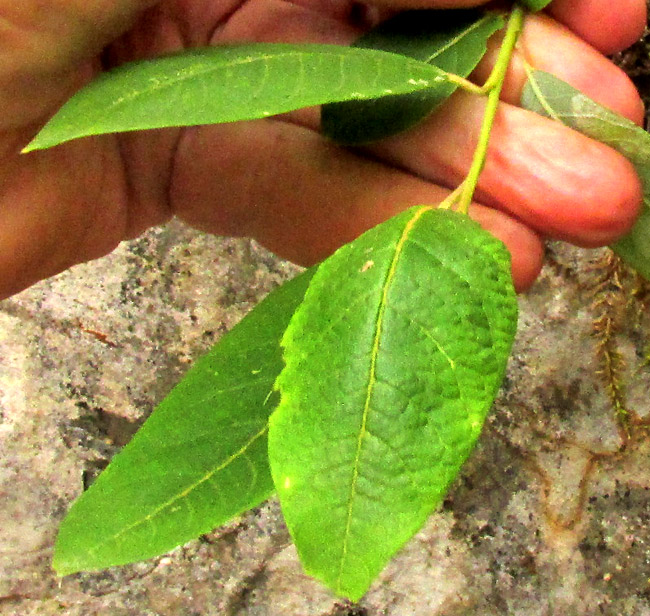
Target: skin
(278, 180)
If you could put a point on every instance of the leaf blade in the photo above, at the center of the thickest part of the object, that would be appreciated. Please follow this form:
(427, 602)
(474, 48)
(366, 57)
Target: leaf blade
(452, 40)
(198, 442)
(549, 96)
(536, 5)
(362, 402)
(228, 84)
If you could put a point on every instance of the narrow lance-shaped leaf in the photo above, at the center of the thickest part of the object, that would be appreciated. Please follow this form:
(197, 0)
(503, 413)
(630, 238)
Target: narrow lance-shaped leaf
(200, 459)
(454, 41)
(231, 83)
(552, 97)
(392, 362)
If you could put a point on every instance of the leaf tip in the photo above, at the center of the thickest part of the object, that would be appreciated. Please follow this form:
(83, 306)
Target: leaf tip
(63, 566)
(30, 147)
(41, 142)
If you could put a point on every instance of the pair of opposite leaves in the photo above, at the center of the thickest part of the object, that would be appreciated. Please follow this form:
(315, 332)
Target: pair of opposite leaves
(385, 386)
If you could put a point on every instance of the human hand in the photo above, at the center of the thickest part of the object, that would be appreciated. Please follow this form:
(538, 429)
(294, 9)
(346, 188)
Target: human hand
(277, 180)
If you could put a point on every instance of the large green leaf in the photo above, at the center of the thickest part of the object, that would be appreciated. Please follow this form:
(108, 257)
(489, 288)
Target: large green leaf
(231, 83)
(552, 97)
(454, 41)
(392, 361)
(535, 5)
(201, 457)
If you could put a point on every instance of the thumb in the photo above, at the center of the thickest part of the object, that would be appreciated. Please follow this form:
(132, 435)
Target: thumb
(43, 42)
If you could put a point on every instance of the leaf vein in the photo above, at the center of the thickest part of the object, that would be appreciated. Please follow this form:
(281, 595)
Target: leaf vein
(459, 37)
(181, 495)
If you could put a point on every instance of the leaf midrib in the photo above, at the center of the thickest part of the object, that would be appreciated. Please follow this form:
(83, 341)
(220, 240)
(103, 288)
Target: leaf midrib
(201, 69)
(390, 275)
(458, 38)
(185, 492)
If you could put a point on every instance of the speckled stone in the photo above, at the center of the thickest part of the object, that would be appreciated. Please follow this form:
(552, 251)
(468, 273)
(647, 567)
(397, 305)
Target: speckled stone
(549, 517)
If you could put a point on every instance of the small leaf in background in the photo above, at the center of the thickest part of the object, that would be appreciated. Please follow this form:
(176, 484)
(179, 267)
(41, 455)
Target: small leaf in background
(200, 459)
(535, 5)
(230, 83)
(453, 40)
(552, 97)
(392, 362)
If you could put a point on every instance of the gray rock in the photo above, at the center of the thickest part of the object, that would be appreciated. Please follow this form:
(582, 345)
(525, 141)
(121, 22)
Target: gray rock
(549, 517)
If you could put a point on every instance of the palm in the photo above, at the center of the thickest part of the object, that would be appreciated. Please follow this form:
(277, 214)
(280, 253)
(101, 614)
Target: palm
(276, 180)
(92, 194)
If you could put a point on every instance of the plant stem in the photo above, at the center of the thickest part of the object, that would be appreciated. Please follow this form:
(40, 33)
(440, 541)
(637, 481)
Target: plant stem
(493, 86)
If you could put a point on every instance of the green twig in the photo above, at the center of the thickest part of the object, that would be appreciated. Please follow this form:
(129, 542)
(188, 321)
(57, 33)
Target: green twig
(493, 87)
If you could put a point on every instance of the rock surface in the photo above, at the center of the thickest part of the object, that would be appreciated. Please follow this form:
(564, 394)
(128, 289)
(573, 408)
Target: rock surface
(549, 517)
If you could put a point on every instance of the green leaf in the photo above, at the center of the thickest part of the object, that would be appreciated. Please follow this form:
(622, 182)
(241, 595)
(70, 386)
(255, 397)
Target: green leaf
(454, 41)
(392, 362)
(535, 5)
(231, 83)
(552, 97)
(200, 459)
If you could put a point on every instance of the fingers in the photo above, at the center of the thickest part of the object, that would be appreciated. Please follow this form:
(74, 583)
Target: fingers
(608, 26)
(559, 182)
(303, 197)
(562, 184)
